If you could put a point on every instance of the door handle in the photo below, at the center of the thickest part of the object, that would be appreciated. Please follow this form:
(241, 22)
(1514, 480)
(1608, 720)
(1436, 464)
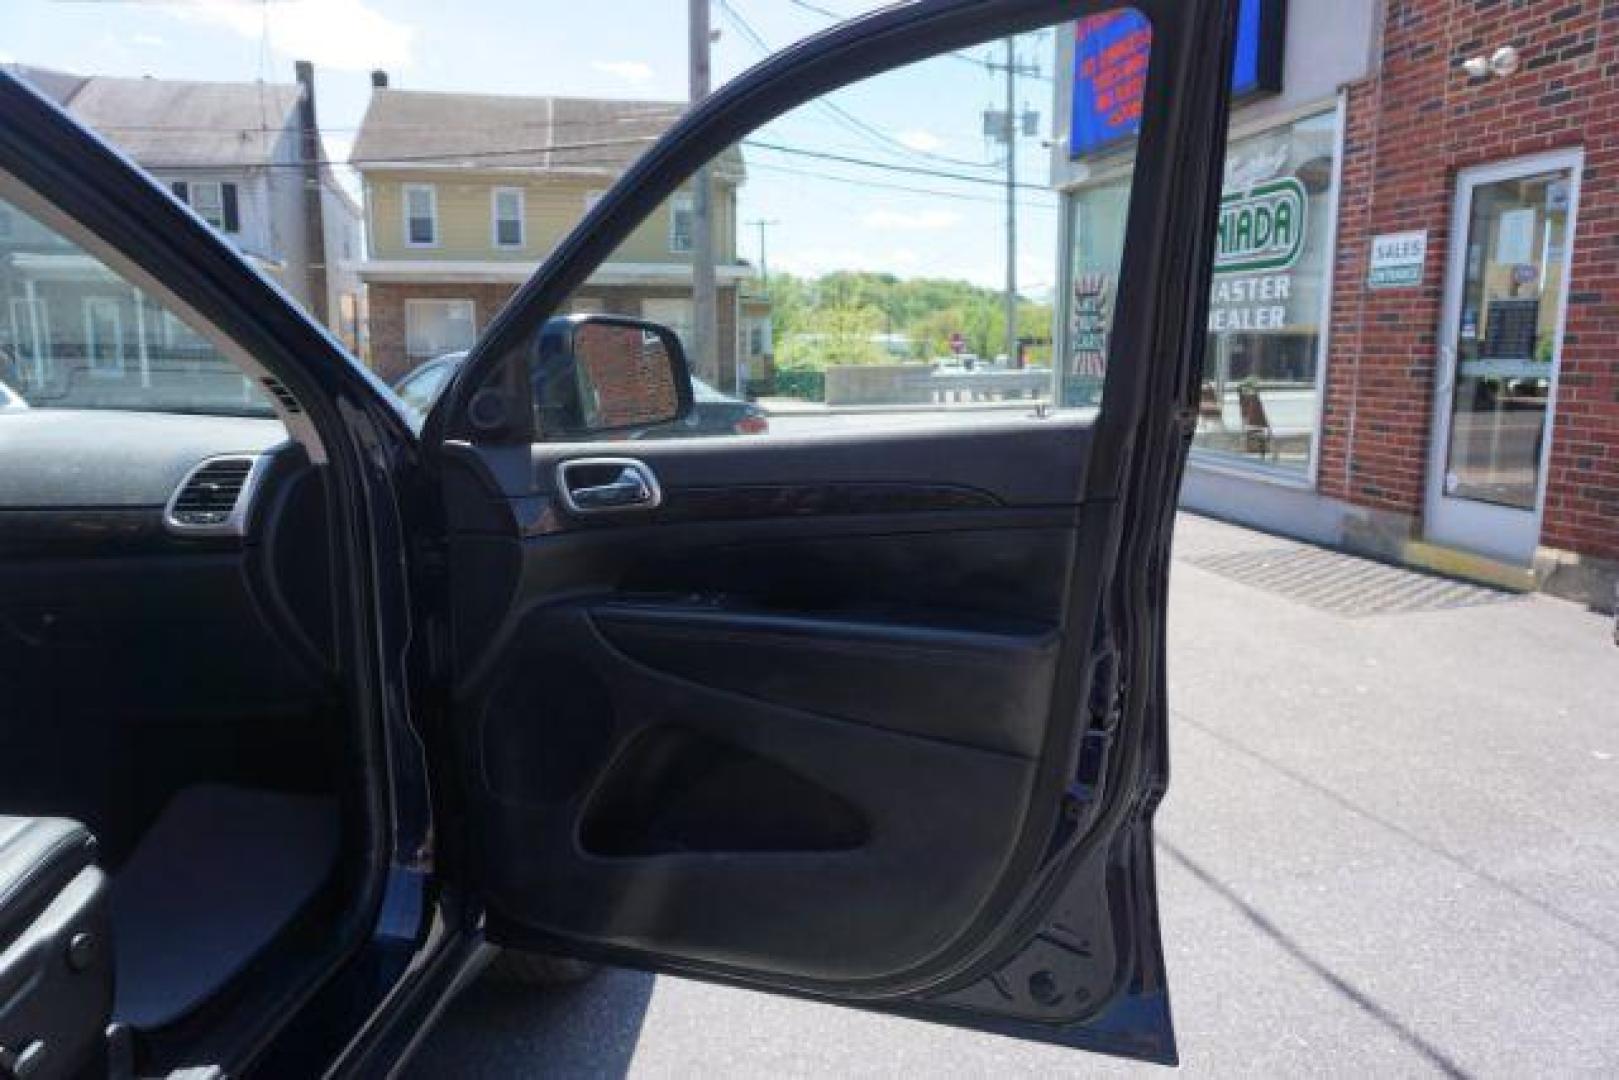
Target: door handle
(603, 485)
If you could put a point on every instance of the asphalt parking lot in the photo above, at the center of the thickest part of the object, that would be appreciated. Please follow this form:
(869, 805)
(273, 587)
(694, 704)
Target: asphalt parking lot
(1390, 847)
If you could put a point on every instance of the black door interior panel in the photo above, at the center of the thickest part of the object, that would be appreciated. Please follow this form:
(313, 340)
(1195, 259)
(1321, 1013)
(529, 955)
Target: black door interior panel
(1018, 461)
(994, 570)
(936, 678)
(821, 661)
(919, 844)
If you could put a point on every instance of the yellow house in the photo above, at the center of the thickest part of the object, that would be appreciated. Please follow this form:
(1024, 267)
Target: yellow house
(465, 194)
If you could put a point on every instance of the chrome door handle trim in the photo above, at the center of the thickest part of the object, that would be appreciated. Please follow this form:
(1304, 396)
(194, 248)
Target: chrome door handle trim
(633, 487)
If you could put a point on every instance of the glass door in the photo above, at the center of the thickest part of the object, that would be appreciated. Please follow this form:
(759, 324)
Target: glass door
(1506, 289)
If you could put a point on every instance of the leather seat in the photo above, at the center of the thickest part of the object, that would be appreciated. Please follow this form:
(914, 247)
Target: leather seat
(56, 972)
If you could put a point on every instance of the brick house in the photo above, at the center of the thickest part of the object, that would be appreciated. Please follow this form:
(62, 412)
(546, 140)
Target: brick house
(1431, 372)
(465, 194)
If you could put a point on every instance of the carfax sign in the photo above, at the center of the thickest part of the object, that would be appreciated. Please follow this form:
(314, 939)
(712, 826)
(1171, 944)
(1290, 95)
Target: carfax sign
(1111, 50)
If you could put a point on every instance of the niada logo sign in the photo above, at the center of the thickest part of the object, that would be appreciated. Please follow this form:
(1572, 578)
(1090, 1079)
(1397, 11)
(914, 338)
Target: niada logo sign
(1261, 227)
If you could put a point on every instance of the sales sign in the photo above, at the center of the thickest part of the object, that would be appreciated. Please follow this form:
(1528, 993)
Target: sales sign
(1111, 50)
(1397, 259)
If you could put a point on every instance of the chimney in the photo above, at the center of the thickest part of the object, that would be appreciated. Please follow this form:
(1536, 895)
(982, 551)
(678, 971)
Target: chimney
(379, 79)
(310, 154)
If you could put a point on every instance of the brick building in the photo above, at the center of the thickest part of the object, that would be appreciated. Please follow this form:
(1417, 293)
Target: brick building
(1427, 367)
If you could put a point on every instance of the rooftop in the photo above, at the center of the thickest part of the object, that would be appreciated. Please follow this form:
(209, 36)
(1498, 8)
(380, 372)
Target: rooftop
(418, 128)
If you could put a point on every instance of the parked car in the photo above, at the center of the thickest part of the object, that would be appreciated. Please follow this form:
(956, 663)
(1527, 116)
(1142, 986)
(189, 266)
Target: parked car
(309, 709)
(10, 400)
(420, 386)
(714, 413)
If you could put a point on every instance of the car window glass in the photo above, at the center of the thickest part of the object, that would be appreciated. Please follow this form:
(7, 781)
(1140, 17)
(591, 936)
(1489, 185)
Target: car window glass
(76, 334)
(422, 388)
(936, 245)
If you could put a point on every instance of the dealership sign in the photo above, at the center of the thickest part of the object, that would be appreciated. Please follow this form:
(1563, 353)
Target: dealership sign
(1111, 50)
(1261, 227)
(1397, 259)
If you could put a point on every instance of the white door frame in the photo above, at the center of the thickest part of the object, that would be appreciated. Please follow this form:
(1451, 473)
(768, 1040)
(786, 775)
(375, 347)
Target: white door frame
(1499, 531)
(93, 342)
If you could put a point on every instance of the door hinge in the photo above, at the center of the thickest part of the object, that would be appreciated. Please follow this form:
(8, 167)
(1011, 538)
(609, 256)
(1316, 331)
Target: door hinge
(1086, 787)
(1106, 707)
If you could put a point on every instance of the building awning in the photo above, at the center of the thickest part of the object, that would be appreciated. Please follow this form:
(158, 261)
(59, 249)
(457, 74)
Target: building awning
(71, 266)
(453, 271)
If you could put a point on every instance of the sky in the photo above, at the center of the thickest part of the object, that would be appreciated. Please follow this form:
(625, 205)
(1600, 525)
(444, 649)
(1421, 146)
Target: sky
(915, 217)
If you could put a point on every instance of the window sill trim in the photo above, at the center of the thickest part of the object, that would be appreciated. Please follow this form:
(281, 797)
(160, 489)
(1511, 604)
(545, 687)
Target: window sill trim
(1224, 465)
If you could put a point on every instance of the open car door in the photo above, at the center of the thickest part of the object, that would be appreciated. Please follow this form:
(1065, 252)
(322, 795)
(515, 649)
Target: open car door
(867, 710)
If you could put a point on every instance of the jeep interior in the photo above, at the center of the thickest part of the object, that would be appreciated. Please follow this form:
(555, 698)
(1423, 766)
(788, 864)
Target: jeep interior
(174, 746)
(867, 714)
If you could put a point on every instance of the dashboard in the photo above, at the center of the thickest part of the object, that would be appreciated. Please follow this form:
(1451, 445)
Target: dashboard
(181, 559)
(90, 458)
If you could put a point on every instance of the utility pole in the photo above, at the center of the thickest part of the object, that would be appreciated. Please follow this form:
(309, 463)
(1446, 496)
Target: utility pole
(1011, 202)
(705, 322)
(764, 268)
(1004, 127)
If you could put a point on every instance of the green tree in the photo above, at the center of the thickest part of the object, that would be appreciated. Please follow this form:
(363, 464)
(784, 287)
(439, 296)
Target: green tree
(831, 319)
(835, 335)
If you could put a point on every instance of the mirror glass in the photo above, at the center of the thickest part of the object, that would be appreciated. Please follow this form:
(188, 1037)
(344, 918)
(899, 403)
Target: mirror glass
(595, 376)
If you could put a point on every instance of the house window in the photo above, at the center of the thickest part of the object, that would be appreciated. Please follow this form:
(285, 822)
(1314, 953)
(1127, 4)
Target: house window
(675, 314)
(682, 225)
(421, 215)
(435, 327)
(215, 201)
(104, 336)
(507, 211)
(30, 339)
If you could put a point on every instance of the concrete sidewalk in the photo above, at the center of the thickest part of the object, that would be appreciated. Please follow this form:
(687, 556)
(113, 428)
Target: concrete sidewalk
(1390, 847)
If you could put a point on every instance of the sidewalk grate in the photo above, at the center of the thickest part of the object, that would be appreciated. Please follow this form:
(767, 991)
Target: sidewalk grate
(1346, 584)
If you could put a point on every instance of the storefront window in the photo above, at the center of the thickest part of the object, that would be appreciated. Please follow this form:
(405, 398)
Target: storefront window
(1097, 221)
(1268, 301)
(1270, 297)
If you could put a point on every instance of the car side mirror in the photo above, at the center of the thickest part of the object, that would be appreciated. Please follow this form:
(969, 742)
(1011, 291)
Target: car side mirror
(594, 375)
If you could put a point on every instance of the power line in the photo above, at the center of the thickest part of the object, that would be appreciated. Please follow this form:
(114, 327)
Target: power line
(864, 182)
(453, 159)
(848, 119)
(916, 170)
(836, 16)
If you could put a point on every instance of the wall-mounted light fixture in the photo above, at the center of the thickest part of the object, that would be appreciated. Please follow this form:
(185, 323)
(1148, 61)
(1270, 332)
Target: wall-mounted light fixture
(1501, 63)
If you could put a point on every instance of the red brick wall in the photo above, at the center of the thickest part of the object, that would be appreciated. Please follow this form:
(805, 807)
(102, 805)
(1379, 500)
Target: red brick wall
(387, 317)
(1411, 127)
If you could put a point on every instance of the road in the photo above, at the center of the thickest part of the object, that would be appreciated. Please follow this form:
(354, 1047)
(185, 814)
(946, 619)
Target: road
(1390, 848)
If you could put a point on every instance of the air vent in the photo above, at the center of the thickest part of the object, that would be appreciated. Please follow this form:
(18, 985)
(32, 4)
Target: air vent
(283, 396)
(213, 497)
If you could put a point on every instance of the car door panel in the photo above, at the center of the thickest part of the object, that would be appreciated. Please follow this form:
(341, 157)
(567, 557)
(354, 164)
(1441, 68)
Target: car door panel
(870, 716)
(727, 830)
(769, 690)
(919, 675)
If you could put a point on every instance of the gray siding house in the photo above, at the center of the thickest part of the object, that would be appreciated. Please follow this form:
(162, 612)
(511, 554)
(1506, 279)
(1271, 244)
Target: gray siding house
(247, 159)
